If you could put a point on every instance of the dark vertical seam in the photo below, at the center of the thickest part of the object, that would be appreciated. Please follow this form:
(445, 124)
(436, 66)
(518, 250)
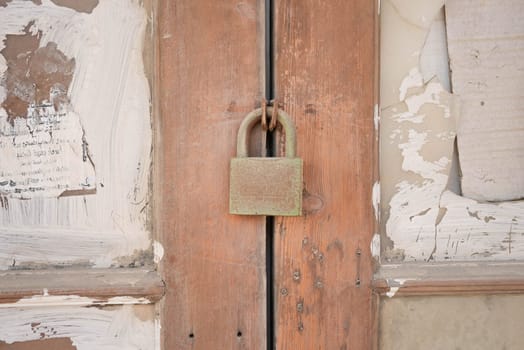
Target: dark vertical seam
(270, 152)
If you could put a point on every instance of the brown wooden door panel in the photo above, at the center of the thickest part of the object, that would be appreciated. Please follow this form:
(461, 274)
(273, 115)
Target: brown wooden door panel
(214, 266)
(324, 78)
(210, 64)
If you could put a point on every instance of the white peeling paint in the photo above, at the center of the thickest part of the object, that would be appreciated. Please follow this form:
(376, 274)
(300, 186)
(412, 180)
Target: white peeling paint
(376, 117)
(158, 334)
(126, 300)
(414, 204)
(88, 328)
(472, 230)
(158, 251)
(431, 94)
(375, 246)
(46, 299)
(376, 199)
(110, 94)
(392, 291)
(412, 80)
(397, 284)
(425, 220)
(404, 27)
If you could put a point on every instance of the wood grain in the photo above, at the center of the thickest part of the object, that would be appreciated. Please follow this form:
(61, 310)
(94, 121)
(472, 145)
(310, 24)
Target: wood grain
(99, 284)
(325, 79)
(210, 56)
(450, 279)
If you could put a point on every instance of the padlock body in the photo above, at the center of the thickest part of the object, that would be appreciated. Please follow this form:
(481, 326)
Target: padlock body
(266, 186)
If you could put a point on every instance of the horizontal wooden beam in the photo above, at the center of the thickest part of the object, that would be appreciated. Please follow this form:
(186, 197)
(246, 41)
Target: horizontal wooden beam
(80, 286)
(449, 279)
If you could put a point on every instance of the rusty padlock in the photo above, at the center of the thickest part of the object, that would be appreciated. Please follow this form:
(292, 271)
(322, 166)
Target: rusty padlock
(266, 186)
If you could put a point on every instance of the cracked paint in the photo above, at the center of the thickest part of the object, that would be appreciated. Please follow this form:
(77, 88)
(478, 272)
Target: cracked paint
(486, 48)
(423, 215)
(423, 150)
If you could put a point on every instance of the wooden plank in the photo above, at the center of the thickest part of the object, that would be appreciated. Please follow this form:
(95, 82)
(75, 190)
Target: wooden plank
(325, 79)
(103, 286)
(450, 279)
(210, 56)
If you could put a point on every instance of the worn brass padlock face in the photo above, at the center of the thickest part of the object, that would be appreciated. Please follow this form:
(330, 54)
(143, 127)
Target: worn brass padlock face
(266, 186)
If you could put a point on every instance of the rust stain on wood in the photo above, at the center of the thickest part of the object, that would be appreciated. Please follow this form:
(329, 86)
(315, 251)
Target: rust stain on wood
(41, 344)
(34, 72)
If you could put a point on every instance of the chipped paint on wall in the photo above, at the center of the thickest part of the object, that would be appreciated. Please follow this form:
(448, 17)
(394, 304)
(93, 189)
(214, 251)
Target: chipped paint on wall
(376, 200)
(486, 48)
(45, 299)
(394, 285)
(404, 26)
(423, 220)
(375, 246)
(472, 230)
(123, 327)
(109, 95)
(376, 116)
(158, 334)
(158, 251)
(42, 143)
(419, 150)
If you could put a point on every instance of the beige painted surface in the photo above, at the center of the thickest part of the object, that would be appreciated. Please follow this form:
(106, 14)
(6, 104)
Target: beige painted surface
(452, 323)
(486, 51)
(423, 215)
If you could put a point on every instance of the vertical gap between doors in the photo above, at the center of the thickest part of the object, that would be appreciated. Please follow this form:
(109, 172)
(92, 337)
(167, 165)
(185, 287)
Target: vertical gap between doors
(270, 152)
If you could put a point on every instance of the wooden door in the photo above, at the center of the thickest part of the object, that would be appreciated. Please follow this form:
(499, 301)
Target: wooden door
(222, 292)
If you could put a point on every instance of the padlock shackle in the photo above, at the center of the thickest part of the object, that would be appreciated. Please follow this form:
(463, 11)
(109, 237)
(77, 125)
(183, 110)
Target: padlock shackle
(254, 117)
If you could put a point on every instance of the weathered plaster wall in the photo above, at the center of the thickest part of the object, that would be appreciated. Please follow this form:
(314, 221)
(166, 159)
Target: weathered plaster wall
(126, 327)
(105, 89)
(465, 323)
(424, 216)
(425, 213)
(486, 49)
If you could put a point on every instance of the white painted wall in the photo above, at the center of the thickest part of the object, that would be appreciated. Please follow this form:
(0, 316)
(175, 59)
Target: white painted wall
(124, 327)
(110, 94)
